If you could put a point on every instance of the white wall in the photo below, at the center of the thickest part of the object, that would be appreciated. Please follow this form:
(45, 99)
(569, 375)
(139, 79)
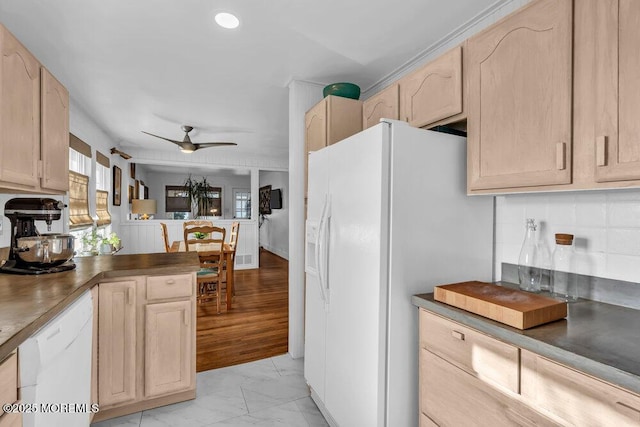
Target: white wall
(274, 232)
(157, 182)
(606, 225)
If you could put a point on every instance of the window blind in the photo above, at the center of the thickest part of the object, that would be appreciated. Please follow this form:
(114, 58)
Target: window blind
(79, 201)
(79, 145)
(103, 160)
(102, 208)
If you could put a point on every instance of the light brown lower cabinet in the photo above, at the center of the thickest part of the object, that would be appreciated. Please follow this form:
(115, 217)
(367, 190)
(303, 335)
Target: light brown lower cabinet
(146, 343)
(459, 386)
(576, 398)
(9, 391)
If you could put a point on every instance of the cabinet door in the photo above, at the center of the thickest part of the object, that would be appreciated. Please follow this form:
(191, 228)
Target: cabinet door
(574, 397)
(315, 133)
(54, 143)
(617, 87)
(19, 113)
(344, 118)
(451, 397)
(434, 92)
(116, 342)
(168, 347)
(519, 99)
(384, 104)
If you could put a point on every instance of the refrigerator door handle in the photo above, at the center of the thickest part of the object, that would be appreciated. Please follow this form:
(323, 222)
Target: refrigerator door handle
(323, 238)
(319, 248)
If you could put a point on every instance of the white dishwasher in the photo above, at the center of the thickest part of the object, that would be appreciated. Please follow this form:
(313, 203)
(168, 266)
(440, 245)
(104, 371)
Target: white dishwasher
(55, 369)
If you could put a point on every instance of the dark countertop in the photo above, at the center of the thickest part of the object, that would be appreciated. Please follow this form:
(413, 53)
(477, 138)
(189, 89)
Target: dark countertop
(600, 339)
(27, 301)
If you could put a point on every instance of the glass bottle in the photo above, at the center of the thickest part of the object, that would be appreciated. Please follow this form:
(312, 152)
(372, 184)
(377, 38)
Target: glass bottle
(564, 281)
(528, 275)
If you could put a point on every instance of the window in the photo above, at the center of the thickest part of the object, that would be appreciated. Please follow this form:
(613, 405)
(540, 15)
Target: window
(241, 203)
(176, 199)
(177, 202)
(102, 208)
(103, 172)
(79, 156)
(79, 200)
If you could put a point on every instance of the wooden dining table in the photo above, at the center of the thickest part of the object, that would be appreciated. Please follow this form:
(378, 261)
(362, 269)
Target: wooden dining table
(178, 246)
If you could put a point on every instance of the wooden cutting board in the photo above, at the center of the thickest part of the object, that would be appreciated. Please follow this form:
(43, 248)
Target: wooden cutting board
(513, 307)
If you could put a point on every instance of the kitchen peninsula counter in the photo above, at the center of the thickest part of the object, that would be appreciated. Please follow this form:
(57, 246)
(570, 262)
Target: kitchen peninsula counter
(602, 340)
(27, 302)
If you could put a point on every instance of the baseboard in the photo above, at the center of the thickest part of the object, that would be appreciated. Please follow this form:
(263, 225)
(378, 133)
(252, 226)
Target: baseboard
(281, 253)
(323, 410)
(144, 405)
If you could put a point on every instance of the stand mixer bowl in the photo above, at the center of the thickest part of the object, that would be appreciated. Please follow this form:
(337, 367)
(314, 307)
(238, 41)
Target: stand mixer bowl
(45, 250)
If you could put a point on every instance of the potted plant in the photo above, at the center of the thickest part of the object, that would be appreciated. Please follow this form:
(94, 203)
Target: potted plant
(197, 191)
(90, 242)
(110, 244)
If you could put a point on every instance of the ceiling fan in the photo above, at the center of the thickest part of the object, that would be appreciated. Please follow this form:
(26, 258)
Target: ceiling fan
(186, 146)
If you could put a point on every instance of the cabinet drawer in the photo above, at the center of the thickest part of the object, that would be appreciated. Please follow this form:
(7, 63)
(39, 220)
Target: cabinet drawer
(484, 357)
(162, 287)
(452, 397)
(576, 397)
(9, 380)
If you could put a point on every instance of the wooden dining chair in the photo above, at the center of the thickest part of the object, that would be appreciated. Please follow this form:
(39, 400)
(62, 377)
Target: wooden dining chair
(209, 276)
(233, 244)
(165, 237)
(197, 223)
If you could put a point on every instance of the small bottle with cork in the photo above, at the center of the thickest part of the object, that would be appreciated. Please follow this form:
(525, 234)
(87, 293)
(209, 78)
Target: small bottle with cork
(564, 281)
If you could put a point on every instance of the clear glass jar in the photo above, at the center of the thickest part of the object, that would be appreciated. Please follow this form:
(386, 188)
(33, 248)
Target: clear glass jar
(529, 276)
(564, 281)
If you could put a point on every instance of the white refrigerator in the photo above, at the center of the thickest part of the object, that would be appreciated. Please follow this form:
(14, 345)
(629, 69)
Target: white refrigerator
(388, 217)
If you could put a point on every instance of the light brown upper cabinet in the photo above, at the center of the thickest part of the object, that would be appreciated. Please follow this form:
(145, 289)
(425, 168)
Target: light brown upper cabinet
(19, 114)
(434, 92)
(34, 123)
(54, 133)
(519, 101)
(617, 133)
(332, 119)
(384, 104)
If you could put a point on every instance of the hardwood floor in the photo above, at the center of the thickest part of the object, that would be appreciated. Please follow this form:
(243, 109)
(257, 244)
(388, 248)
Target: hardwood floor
(257, 325)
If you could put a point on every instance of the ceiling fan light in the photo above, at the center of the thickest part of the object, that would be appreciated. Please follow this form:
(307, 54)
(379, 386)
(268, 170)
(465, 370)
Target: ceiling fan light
(187, 150)
(227, 20)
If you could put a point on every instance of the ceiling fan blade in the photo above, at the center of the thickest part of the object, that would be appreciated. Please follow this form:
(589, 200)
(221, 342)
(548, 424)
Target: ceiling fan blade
(214, 144)
(162, 137)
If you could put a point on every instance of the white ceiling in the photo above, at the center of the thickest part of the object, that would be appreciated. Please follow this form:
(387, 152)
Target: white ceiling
(153, 65)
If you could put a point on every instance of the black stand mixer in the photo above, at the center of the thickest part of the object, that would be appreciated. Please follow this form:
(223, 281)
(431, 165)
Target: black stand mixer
(32, 252)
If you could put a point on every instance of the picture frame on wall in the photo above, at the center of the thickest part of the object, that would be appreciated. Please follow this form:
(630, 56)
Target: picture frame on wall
(130, 194)
(136, 190)
(265, 200)
(117, 185)
(132, 170)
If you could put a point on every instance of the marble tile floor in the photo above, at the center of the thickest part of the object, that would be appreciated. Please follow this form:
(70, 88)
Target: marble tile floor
(268, 392)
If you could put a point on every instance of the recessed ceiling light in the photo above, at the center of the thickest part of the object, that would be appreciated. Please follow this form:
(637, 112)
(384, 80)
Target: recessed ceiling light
(227, 20)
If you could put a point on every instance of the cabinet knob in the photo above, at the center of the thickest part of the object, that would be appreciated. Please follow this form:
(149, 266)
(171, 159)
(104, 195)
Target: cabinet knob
(457, 335)
(170, 282)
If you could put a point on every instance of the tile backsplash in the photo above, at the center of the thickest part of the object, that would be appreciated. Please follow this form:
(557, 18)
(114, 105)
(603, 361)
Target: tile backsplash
(606, 226)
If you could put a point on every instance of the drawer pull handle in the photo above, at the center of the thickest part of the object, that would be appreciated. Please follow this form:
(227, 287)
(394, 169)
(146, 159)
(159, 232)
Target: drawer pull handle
(457, 335)
(629, 411)
(170, 282)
